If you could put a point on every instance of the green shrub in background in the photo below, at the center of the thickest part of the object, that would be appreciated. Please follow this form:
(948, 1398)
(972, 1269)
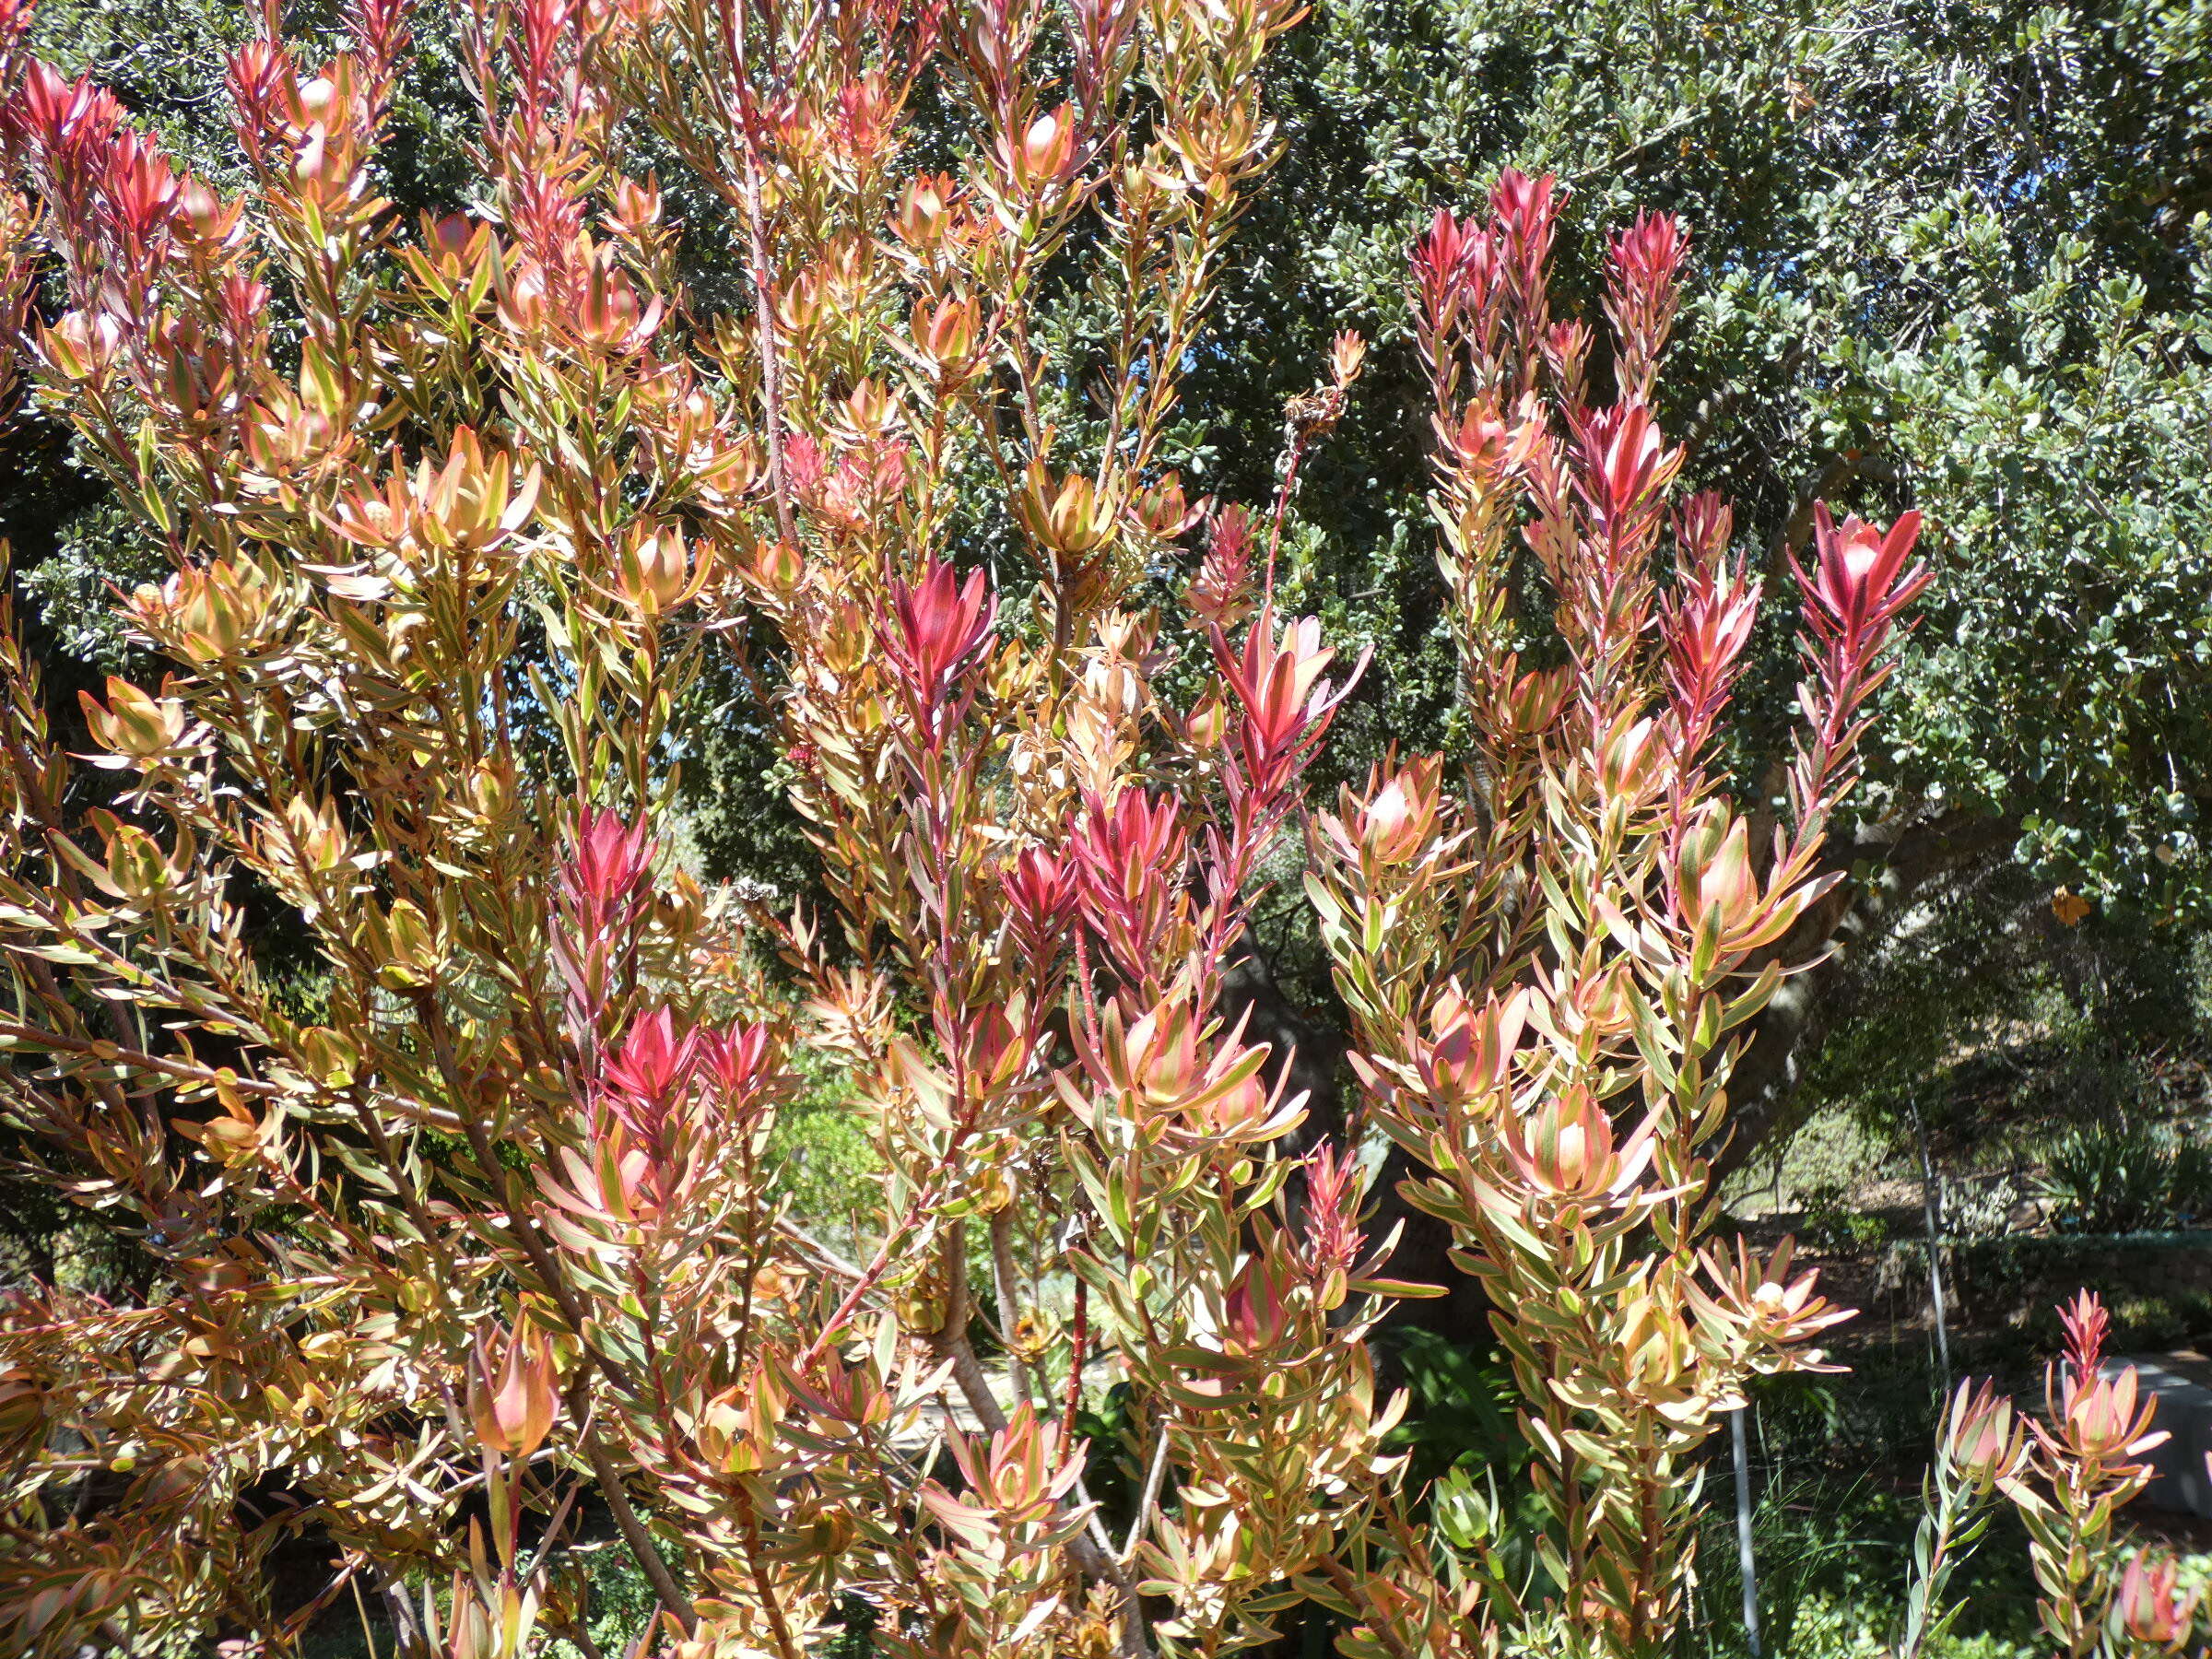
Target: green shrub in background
(2124, 1176)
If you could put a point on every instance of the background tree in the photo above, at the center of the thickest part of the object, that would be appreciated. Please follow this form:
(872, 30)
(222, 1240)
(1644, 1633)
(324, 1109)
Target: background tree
(1947, 256)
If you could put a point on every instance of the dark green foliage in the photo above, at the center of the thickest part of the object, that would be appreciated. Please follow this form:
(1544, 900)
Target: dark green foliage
(1461, 1410)
(2118, 1177)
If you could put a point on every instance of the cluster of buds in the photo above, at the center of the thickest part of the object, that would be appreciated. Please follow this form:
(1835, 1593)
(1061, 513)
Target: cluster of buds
(2066, 1477)
(1543, 953)
(112, 190)
(667, 1103)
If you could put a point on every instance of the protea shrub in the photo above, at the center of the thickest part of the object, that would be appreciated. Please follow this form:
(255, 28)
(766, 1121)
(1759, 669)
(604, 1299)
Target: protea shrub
(467, 1247)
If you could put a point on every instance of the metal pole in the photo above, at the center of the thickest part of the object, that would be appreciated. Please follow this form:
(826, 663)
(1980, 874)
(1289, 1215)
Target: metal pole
(1746, 1566)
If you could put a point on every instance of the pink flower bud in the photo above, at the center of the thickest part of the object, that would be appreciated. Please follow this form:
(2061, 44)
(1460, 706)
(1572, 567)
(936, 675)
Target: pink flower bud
(201, 213)
(1047, 151)
(1398, 819)
(1470, 1052)
(1645, 258)
(657, 574)
(740, 1061)
(945, 330)
(1860, 580)
(2150, 1605)
(2102, 1420)
(609, 859)
(1254, 1315)
(1565, 1150)
(654, 1067)
(926, 210)
(2086, 1321)
(512, 1401)
(1983, 1437)
(80, 345)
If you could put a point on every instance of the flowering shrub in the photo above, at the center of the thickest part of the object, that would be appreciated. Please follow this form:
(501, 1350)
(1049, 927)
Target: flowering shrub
(465, 1243)
(2065, 1476)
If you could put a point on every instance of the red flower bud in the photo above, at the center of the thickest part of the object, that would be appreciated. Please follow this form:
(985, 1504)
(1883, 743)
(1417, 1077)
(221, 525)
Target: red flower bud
(1285, 703)
(938, 624)
(1041, 895)
(1860, 580)
(926, 210)
(654, 1067)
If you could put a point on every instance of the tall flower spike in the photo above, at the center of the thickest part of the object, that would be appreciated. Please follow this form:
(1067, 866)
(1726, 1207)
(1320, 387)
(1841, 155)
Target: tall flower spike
(1332, 1213)
(1131, 857)
(1220, 597)
(1640, 297)
(2086, 1321)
